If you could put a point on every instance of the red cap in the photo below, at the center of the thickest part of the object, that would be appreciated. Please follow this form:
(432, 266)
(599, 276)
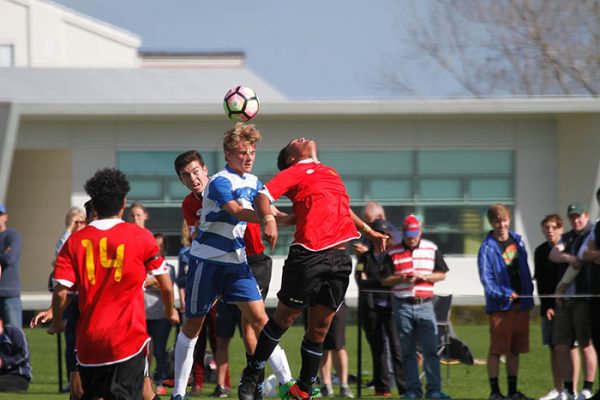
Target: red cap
(411, 226)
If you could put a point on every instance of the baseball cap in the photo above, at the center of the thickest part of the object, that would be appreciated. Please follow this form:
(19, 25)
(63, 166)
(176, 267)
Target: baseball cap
(382, 226)
(3, 209)
(576, 208)
(411, 226)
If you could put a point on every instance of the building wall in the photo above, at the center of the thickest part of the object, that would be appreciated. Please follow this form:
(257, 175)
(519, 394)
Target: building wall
(45, 34)
(38, 198)
(578, 154)
(93, 144)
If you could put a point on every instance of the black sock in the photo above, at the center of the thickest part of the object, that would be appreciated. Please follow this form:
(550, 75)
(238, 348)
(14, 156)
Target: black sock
(569, 387)
(588, 385)
(512, 385)
(311, 359)
(494, 385)
(267, 341)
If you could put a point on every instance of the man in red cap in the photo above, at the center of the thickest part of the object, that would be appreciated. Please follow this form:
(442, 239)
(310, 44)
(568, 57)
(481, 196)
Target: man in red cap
(411, 268)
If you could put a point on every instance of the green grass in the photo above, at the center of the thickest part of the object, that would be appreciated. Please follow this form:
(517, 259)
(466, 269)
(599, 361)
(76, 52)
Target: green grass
(464, 383)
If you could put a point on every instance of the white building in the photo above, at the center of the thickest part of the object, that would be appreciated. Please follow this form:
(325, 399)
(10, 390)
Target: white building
(445, 159)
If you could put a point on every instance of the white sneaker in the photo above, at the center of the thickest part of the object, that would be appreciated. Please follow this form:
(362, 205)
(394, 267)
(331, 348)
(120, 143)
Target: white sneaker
(564, 395)
(584, 394)
(553, 394)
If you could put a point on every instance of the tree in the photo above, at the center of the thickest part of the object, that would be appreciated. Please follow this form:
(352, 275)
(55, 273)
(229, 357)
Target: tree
(506, 47)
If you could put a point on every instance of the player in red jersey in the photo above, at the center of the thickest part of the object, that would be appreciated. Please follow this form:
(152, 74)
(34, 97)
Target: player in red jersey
(107, 263)
(316, 272)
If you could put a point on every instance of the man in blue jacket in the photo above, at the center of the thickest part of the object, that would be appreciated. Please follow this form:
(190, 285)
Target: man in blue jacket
(506, 280)
(15, 369)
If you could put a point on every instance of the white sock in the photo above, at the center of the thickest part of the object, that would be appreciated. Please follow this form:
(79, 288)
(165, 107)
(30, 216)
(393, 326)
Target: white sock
(184, 359)
(280, 366)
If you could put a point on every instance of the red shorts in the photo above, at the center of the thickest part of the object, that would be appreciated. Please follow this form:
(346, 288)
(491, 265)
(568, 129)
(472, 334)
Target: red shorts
(509, 331)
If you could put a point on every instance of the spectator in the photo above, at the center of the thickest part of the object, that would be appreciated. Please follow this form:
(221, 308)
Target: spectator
(590, 252)
(11, 309)
(334, 352)
(547, 275)
(505, 276)
(377, 316)
(138, 214)
(411, 268)
(15, 369)
(157, 325)
(572, 322)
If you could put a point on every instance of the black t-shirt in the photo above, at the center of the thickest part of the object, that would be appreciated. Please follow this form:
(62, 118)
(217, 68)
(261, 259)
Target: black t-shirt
(547, 275)
(510, 254)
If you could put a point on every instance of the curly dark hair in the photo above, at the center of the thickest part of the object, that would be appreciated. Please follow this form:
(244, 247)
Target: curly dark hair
(107, 188)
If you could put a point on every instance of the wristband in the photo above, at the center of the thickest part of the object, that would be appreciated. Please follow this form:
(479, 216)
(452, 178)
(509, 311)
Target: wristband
(268, 218)
(366, 228)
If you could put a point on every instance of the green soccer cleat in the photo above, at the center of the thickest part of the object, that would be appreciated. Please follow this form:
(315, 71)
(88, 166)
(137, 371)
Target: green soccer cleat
(284, 391)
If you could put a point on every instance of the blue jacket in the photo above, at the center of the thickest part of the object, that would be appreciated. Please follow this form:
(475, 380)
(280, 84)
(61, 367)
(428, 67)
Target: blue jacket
(494, 275)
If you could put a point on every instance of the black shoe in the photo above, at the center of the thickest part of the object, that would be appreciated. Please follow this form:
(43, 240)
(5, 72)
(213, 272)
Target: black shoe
(248, 383)
(220, 392)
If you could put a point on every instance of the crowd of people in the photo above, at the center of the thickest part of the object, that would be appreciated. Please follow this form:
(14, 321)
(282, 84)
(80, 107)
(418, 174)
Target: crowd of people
(224, 275)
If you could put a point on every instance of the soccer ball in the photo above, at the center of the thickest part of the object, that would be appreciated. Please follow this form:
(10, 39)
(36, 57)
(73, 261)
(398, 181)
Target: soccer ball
(240, 103)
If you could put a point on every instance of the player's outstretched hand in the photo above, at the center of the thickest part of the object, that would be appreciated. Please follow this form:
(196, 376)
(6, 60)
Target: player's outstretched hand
(57, 326)
(41, 318)
(378, 239)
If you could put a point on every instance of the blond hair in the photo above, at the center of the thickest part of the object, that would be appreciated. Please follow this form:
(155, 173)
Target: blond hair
(72, 213)
(240, 133)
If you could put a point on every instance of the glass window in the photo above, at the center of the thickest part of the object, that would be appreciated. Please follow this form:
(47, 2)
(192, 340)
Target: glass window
(7, 55)
(450, 189)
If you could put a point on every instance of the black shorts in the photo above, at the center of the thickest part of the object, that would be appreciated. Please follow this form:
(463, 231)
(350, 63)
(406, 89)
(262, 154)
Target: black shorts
(124, 380)
(228, 317)
(315, 278)
(336, 335)
(261, 265)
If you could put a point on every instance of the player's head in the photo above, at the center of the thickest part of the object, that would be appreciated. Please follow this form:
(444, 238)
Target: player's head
(191, 170)
(239, 146)
(108, 189)
(296, 150)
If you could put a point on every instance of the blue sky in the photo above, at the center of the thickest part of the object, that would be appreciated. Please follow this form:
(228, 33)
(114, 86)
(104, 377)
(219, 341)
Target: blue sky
(308, 49)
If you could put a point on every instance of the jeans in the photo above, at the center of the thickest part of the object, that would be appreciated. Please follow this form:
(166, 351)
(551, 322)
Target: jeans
(159, 330)
(417, 325)
(11, 311)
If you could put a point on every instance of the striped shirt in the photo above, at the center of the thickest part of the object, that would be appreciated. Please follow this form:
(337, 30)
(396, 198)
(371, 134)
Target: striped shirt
(220, 238)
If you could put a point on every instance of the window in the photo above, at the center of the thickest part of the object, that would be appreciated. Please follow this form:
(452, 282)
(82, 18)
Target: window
(6, 55)
(449, 189)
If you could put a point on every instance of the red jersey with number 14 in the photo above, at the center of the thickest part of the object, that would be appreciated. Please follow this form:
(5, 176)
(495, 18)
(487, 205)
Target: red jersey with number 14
(320, 202)
(107, 262)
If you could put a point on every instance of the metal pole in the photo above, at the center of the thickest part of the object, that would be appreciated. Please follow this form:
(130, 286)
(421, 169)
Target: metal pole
(359, 345)
(59, 361)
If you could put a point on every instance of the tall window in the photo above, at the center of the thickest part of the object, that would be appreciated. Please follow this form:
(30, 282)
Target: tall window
(449, 189)
(7, 58)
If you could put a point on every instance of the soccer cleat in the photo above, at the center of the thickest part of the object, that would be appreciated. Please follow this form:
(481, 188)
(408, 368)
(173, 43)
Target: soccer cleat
(297, 394)
(521, 396)
(176, 397)
(497, 396)
(284, 390)
(160, 389)
(383, 393)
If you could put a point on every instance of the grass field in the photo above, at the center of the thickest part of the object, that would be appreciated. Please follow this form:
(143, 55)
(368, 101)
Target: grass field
(463, 383)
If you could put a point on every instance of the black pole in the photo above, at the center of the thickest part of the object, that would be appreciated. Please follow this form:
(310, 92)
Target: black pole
(359, 346)
(59, 361)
